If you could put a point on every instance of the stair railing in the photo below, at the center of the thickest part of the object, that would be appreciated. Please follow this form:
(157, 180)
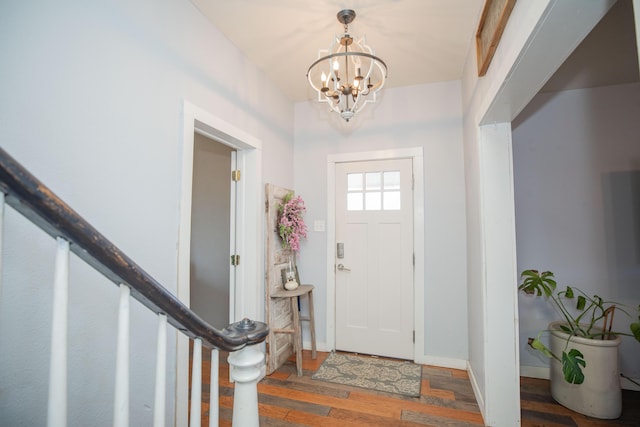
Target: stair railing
(27, 195)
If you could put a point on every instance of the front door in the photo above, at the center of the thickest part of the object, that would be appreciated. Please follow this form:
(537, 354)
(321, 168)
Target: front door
(374, 257)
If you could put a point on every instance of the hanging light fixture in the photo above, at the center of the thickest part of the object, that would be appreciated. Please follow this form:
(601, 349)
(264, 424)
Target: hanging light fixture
(348, 75)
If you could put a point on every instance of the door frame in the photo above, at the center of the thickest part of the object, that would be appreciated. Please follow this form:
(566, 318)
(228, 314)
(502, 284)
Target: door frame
(416, 155)
(246, 298)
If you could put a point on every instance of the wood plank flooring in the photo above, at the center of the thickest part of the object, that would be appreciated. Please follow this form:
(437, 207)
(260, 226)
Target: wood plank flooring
(446, 400)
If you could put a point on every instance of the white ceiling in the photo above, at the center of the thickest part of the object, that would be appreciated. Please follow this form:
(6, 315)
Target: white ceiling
(422, 41)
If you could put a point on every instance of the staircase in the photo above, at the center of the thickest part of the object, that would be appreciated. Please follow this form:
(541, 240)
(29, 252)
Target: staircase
(24, 193)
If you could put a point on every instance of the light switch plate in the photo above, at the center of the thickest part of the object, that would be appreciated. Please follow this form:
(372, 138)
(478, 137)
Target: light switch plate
(318, 225)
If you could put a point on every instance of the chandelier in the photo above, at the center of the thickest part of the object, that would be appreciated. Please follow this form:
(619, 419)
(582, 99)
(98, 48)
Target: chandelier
(348, 75)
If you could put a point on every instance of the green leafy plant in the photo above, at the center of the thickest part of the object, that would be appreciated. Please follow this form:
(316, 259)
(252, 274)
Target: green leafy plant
(580, 321)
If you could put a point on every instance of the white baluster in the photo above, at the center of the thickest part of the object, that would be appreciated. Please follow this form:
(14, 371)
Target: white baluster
(247, 364)
(196, 384)
(161, 373)
(214, 410)
(121, 400)
(57, 409)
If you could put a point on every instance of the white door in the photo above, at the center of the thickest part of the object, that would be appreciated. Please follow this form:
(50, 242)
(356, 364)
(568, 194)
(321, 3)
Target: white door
(374, 257)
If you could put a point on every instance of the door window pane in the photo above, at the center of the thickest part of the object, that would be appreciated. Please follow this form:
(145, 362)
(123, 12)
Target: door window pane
(392, 180)
(354, 182)
(373, 181)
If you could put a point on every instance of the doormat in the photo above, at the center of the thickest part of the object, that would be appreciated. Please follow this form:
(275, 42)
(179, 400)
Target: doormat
(368, 372)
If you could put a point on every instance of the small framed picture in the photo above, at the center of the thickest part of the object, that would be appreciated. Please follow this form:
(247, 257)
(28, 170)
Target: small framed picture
(288, 275)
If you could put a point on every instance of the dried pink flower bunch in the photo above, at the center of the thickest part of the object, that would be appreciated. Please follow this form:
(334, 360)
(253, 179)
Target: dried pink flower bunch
(291, 226)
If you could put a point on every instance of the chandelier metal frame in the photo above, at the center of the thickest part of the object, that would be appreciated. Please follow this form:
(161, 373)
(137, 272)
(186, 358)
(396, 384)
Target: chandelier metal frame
(337, 73)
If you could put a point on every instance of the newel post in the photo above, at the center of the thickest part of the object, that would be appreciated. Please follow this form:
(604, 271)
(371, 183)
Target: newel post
(247, 365)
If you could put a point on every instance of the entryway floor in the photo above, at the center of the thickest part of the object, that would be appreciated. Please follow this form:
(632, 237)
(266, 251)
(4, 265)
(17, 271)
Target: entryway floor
(446, 400)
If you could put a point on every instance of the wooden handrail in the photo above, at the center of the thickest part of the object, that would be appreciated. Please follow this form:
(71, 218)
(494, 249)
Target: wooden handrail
(29, 196)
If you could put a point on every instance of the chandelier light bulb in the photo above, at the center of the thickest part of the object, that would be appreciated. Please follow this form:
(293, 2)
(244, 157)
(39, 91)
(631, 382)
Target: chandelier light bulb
(347, 98)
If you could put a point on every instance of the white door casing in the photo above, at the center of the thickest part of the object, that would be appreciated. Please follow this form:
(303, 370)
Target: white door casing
(416, 157)
(374, 275)
(246, 210)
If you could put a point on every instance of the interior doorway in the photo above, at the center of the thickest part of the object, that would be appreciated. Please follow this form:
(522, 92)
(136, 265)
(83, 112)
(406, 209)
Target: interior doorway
(212, 237)
(247, 297)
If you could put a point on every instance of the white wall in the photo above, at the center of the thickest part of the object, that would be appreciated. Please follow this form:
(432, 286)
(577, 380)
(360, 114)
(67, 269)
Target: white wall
(92, 98)
(426, 116)
(577, 180)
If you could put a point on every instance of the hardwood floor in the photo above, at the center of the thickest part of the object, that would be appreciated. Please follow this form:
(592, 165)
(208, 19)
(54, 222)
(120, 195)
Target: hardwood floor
(446, 400)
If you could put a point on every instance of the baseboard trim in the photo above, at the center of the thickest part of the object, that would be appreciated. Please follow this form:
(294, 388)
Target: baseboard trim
(442, 362)
(540, 372)
(320, 346)
(628, 385)
(476, 390)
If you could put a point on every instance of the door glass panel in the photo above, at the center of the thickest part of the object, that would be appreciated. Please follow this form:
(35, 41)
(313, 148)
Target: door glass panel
(354, 182)
(392, 180)
(373, 191)
(373, 181)
(373, 201)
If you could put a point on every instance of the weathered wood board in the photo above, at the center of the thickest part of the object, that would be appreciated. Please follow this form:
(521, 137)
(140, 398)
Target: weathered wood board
(278, 310)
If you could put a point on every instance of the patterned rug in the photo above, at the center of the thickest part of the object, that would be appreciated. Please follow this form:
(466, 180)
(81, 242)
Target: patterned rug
(372, 373)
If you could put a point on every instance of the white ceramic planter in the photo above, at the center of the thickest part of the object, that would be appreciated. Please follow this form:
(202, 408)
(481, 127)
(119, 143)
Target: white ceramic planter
(600, 395)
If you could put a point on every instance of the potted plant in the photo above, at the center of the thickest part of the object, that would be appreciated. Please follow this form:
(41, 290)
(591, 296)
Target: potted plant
(582, 347)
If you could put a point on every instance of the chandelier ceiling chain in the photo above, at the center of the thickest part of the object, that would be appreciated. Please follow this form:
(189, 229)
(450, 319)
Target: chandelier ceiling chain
(348, 75)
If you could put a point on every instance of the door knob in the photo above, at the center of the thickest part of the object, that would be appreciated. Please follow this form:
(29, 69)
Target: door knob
(341, 267)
